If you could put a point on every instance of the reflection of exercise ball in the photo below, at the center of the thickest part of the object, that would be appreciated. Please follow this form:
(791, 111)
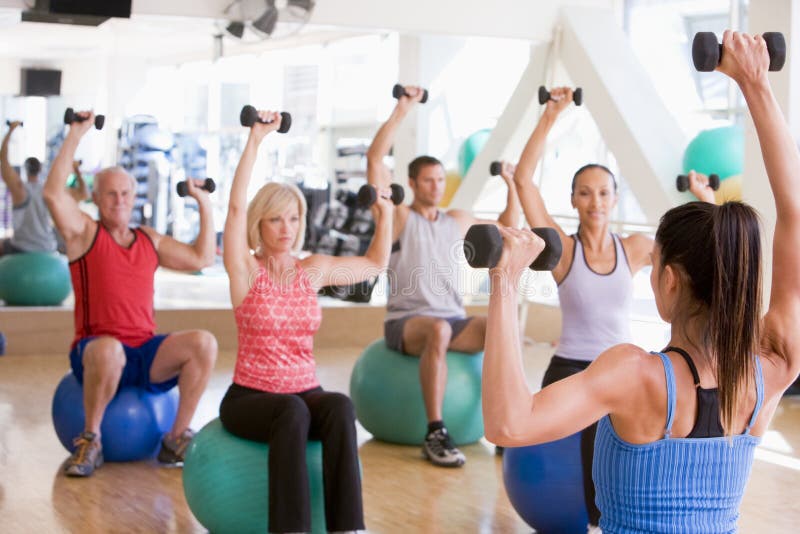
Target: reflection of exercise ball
(226, 481)
(452, 181)
(133, 423)
(729, 189)
(719, 151)
(545, 485)
(387, 396)
(470, 148)
(34, 279)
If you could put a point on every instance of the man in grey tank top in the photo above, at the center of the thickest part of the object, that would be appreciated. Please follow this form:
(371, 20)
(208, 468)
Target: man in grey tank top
(33, 227)
(425, 316)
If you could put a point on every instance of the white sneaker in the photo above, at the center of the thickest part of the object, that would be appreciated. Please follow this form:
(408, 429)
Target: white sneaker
(440, 450)
(593, 529)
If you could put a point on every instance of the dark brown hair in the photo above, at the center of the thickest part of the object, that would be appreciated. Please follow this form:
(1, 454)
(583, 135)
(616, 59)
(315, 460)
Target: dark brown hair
(593, 166)
(717, 249)
(418, 163)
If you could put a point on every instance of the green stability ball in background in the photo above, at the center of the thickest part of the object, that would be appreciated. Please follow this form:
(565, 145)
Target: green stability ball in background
(470, 148)
(719, 151)
(387, 396)
(226, 482)
(34, 279)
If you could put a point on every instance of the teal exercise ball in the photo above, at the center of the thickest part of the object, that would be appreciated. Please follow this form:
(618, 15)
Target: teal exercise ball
(387, 396)
(226, 482)
(34, 279)
(470, 148)
(718, 151)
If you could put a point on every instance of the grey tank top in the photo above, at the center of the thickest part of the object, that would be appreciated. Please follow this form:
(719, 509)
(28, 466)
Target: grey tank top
(595, 308)
(424, 268)
(33, 227)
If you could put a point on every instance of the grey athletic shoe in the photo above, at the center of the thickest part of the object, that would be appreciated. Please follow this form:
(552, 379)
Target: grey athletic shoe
(440, 450)
(173, 450)
(87, 457)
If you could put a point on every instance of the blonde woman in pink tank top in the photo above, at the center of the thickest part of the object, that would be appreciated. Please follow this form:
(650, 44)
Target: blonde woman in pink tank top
(275, 396)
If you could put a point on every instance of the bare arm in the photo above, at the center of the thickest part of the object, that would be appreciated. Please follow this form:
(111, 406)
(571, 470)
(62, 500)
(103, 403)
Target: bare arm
(236, 251)
(71, 222)
(347, 270)
(378, 174)
(10, 176)
(512, 415)
(698, 185)
(745, 59)
(174, 254)
(510, 216)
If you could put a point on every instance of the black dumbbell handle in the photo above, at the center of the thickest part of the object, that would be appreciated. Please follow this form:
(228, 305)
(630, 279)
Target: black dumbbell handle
(8, 123)
(577, 95)
(682, 182)
(398, 91)
(183, 190)
(249, 116)
(483, 246)
(70, 116)
(367, 196)
(703, 52)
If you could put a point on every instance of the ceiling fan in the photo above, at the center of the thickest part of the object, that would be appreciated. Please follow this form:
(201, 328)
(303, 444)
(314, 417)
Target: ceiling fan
(254, 20)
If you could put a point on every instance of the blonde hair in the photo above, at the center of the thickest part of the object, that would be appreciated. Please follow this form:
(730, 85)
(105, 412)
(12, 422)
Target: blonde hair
(272, 200)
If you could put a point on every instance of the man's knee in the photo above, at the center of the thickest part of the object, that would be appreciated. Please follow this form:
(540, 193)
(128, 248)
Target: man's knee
(205, 347)
(104, 355)
(440, 332)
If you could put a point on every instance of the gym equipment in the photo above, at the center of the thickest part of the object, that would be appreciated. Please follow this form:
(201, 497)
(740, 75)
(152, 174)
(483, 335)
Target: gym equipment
(249, 116)
(2, 344)
(496, 168)
(577, 95)
(34, 279)
(70, 116)
(183, 189)
(545, 485)
(398, 91)
(133, 424)
(717, 151)
(470, 148)
(483, 246)
(387, 396)
(367, 196)
(682, 182)
(707, 51)
(226, 481)
(8, 122)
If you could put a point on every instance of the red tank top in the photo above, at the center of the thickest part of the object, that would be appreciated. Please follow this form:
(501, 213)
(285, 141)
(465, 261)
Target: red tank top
(276, 327)
(114, 289)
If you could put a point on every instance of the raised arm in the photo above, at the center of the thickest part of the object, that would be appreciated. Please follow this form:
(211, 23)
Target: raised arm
(71, 222)
(174, 254)
(236, 251)
(347, 270)
(508, 217)
(512, 415)
(10, 176)
(378, 174)
(745, 59)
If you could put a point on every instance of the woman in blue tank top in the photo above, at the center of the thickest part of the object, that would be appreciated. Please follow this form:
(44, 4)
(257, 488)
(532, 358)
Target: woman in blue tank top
(677, 429)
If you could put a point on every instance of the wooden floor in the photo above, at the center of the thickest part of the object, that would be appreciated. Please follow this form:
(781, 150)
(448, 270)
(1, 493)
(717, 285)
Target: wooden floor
(402, 493)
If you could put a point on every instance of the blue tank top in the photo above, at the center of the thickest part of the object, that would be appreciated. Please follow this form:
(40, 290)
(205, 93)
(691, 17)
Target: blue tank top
(673, 485)
(596, 308)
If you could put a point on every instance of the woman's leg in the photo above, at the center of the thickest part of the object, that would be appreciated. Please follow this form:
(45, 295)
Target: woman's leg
(283, 422)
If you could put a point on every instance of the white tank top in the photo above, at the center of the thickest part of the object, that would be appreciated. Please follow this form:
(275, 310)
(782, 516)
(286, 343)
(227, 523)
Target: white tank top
(595, 308)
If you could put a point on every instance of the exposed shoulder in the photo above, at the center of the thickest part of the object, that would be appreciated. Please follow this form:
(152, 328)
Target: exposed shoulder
(637, 249)
(154, 236)
(629, 361)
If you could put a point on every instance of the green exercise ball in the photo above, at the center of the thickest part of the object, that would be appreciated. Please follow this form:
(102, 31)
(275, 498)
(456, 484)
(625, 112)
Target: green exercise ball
(470, 148)
(718, 151)
(226, 483)
(34, 279)
(387, 396)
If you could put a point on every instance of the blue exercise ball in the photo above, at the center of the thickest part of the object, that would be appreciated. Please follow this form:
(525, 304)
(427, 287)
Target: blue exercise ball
(545, 485)
(133, 424)
(387, 396)
(34, 279)
(226, 482)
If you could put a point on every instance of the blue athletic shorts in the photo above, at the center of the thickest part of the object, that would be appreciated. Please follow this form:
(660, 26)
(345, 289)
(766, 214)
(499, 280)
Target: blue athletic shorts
(138, 361)
(393, 330)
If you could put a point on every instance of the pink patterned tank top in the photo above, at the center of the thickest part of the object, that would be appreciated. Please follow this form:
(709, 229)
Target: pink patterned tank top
(276, 325)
